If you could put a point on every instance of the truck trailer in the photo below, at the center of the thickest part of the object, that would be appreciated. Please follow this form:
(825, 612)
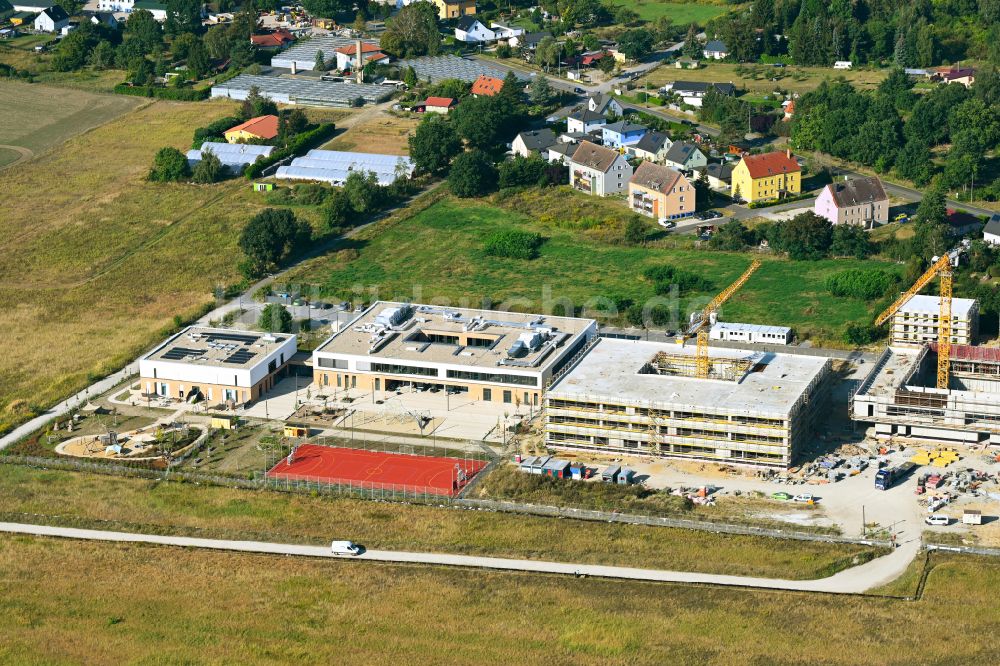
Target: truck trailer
(887, 478)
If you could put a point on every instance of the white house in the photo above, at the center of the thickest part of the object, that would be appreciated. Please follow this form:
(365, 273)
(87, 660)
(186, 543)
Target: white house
(53, 19)
(685, 156)
(716, 50)
(991, 232)
(533, 142)
(505, 32)
(598, 170)
(471, 30)
(585, 121)
(347, 55)
(843, 64)
(692, 92)
(605, 105)
(653, 147)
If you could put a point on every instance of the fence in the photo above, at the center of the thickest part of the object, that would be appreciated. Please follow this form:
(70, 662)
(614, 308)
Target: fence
(967, 550)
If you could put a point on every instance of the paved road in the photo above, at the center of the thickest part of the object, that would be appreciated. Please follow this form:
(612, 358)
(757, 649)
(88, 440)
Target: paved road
(852, 581)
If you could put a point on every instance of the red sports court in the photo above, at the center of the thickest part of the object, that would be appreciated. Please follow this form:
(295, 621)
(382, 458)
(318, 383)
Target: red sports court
(397, 472)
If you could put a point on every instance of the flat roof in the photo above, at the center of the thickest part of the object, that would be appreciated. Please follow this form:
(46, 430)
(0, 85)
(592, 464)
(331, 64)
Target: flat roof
(611, 370)
(752, 328)
(923, 304)
(420, 335)
(218, 347)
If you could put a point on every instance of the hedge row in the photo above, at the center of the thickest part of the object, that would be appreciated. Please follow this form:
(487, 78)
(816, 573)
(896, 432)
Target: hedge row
(775, 202)
(176, 94)
(302, 142)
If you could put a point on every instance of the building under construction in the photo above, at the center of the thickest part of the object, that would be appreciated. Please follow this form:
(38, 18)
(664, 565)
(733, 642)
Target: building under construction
(752, 408)
(901, 397)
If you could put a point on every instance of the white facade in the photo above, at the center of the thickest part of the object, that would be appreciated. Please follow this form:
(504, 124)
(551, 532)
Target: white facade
(600, 183)
(502, 31)
(916, 323)
(45, 23)
(474, 33)
(753, 333)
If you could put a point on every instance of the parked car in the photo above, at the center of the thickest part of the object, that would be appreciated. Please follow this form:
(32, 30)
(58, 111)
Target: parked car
(902, 218)
(781, 496)
(711, 215)
(804, 497)
(579, 91)
(937, 519)
(667, 224)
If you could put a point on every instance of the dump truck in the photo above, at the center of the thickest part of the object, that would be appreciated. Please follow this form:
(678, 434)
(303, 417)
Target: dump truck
(887, 478)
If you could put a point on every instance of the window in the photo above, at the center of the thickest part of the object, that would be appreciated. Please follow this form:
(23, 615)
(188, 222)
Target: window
(332, 363)
(326, 379)
(378, 384)
(354, 381)
(392, 369)
(507, 397)
(487, 394)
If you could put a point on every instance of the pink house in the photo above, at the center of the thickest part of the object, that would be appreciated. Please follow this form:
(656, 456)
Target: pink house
(861, 201)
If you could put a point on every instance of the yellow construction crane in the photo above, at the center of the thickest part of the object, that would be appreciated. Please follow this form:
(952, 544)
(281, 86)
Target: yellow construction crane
(942, 269)
(699, 323)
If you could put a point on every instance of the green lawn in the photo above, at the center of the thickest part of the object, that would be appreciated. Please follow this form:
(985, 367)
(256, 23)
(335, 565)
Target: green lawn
(437, 254)
(8, 156)
(681, 13)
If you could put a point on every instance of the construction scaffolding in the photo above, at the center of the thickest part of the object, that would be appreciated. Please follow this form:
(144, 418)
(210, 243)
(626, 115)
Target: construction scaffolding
(685, 365)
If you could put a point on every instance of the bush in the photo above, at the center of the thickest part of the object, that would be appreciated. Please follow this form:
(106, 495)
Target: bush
(860, 334)
(868, 284)
(209, 169)
(175, 94)
(513, 244)
(275, 318)
(472, 175)
(522, 171)
(169, 165)
(663, 277)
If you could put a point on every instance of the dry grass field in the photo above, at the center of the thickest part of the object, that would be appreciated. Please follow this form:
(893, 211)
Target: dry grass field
(38, 118)
(81, 602)
(131, 504)
(96, 261)
(20, 53)
(382, 133)
(757, 78)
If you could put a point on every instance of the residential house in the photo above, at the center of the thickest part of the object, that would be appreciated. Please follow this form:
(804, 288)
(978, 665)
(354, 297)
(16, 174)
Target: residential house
(104, 18)
(963, 75)
(653, 147)
(261, 127)
(716, 50)
(585, 121)
(437, 105)
(991, 232)
(598, 170)
(693, 92)
(660, 192)
(453, 9)
(961, 223)
(69, 27)
(768, 176)
(31, 6)
(686, 63)
(370, 53)
(505, 32)
(534, 142)
(684, 156)
(486, 86)
(278, 39)
(157, 9)
(860, 201)
(592, 58)
(561, 151)
(720, 175)
(472, 31)
(51, 19)
(527, 40)
(622, 134)
(605, 105)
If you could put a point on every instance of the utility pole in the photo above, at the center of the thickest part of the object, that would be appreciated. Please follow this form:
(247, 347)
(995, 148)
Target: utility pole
(864, 524)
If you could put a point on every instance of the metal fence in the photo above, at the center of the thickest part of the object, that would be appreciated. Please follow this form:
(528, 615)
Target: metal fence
(967, 550)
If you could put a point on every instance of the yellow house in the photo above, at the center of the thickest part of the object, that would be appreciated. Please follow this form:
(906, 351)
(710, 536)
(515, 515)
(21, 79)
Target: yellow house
(261, 127)
(768, 176)
(450, 9)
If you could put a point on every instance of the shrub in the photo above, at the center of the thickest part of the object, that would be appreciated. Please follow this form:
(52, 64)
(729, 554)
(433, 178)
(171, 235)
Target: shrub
(472, 175)
(169, 165)
(864, 283)
(860, 334)
(176, 94)
(522, 171)
(513, 244)
(209, 169)
(663, 277)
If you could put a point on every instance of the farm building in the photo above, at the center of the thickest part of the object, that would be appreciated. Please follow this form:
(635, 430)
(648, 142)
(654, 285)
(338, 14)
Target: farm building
(234, 156)
(439, 68)
(500, 357)
(219, 365)
(261, 127)
(302, 56)
(334, 166)
(646, 398)
(303, 91)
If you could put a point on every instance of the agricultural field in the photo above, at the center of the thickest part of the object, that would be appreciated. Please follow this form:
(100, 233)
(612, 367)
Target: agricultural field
(38, 118)
(381, 133)
(86, 500)
(20, 54)
(438, 254)
(104, 603)
(758, 78)
(94, 271)
(681, 13)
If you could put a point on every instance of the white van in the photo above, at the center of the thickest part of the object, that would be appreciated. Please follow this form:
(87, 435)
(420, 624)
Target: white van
(937, 519)
(345, 548)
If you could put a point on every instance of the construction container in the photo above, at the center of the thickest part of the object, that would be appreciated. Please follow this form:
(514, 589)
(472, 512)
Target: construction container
(576, 473)
(296, 431)
(610, 474)
(626, 476)
(557, 469)
(972, 517)
(223, 423)
(538, 465)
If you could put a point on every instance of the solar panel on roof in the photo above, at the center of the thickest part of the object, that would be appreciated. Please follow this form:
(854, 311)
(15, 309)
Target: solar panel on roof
(240, 357)
(179, 353)
(232, 337)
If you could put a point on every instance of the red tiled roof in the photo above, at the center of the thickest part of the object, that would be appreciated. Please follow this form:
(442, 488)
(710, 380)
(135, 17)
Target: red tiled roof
(276, 38)
(591, 58)
(487, 86)
(770, 164)
(440, 101)
(266, 127)
(365, 48)
(953, 74)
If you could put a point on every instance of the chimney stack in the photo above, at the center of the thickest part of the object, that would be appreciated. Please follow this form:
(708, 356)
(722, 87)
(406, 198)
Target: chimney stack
(359, 62)
(293, 67)
(788, 153)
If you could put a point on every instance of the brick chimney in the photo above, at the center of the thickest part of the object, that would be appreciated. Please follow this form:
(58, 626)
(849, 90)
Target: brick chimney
(788, 153)
(359, 63)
